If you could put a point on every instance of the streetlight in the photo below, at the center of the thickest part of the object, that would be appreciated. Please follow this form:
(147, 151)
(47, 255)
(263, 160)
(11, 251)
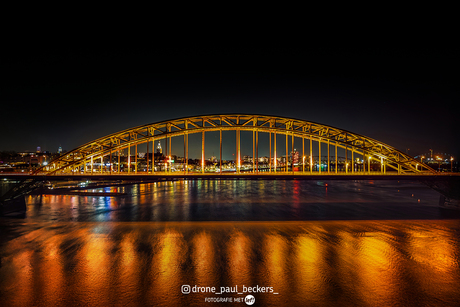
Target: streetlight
(439, 159)
(451, 161)
(303, 164)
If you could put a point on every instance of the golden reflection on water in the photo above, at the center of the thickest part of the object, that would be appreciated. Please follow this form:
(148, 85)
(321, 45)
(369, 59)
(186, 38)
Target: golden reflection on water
(377, 270)
(143, 193)
(203, 256)
(308, 260)
(129, 270)
(23, 281)
(239, 262)
(94, 260)
(437, 255)
(274, 266)
(167, 264)
(52, 287)
(307, 263)
(429, 249)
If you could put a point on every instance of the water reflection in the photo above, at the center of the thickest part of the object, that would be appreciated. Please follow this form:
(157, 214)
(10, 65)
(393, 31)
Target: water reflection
(245, 200)
(377, 263)
(274, 270)
(139, 250)
(239, 255)
(307, 263)
(308, 257)
(204, 258)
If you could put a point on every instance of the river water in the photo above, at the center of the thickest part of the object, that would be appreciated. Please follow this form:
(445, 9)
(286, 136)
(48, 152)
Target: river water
(286, 243)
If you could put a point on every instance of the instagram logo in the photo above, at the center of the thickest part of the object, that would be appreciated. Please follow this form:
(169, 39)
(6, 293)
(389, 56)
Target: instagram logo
(185, 289)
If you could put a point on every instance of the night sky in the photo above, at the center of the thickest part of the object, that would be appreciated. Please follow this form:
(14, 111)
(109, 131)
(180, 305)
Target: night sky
(70, 95)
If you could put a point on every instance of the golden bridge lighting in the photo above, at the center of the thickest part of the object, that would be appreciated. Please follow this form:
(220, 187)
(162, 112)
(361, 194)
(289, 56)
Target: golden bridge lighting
(93, 156)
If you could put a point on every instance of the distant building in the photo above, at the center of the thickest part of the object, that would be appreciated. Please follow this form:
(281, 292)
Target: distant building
(295, 156)
(159, 149)
(263, 159)
(247, 158)
(59, 150)
(39, 149)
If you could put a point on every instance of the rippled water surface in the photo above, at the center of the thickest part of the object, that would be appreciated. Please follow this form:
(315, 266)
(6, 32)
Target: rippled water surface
(302, 243)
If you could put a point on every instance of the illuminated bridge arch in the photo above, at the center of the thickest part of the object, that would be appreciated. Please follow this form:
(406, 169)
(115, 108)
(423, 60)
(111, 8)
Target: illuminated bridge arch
(105, 151)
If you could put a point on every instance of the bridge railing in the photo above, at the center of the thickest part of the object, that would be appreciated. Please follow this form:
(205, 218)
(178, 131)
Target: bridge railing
(210, 173)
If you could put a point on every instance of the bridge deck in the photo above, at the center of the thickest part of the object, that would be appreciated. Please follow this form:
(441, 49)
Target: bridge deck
(261, 175)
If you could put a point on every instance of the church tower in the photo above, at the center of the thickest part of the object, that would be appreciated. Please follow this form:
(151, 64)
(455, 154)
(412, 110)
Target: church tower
(159, 150)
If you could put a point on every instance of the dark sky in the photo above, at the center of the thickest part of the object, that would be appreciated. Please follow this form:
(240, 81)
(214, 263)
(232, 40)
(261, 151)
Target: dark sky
(68, 95)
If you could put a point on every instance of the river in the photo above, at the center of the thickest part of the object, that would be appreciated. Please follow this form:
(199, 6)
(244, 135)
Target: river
(283, 242)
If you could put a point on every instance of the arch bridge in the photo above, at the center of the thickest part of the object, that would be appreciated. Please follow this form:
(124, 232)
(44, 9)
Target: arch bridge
(103, 155)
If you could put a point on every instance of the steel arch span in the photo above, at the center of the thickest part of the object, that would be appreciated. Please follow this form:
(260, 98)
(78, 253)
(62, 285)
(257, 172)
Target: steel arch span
(106, 150)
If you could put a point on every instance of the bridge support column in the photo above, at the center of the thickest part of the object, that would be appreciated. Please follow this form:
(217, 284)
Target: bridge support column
(257, 151)
(336, 158)
(110, 162)
(153, 155)
(166, 154)
(346, 158)
(311, 157)
(253, 151)
(292, 153)
(147, 159)
(186, 152)
(319, 156)
(135, 161)
(129, 159)
(238, 151)
(91, 165)
(220, 152)
(364, 162)
(202, 152)
(274, 151)
(303, 154)
(270, 158)
(185, 170)
(287, 157)
(170, 151)
(328, 158)
(352, 160)
(118, 166)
